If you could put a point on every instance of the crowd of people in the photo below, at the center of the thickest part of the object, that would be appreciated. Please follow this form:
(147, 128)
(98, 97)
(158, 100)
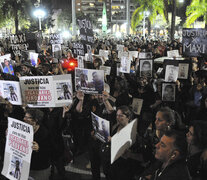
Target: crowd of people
(171, 140)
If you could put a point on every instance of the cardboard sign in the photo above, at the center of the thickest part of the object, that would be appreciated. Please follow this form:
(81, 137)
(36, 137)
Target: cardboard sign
(78, 49)
(18, 150)
(194, 42)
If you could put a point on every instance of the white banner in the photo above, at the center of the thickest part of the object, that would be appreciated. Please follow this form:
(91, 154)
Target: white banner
(18, 150)
(47, 91)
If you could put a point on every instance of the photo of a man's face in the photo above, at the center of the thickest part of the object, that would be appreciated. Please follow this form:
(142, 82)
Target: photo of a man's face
(168, 92)
(145, 68)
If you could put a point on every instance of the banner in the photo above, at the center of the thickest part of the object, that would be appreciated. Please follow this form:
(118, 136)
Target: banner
(47, 91)
(89, 81)
(55, 38)
(101, 128)
(78, 49)
(123, 140)
(194, 42)
(18, 43)
(11, 91)
(18, 150)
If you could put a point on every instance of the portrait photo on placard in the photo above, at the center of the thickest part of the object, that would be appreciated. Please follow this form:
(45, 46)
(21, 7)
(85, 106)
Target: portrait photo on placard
(171, 73)
(10, 92)
(168, 91)
(15, 167)
(145, 55)
(56, 50)
(81, 78)
(7, 67)
(183, 71)
(64, 91)
(146, 67)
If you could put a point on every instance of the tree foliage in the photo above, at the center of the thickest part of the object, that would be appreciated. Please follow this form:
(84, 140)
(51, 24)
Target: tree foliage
(197, 9)
(154, 7)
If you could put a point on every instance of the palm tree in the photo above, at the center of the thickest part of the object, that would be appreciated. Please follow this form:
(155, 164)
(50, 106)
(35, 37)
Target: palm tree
(153, 6)
(197, 9)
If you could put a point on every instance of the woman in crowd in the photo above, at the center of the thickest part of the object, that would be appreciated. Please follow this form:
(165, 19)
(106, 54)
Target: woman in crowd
(40, 161)
(197, 143)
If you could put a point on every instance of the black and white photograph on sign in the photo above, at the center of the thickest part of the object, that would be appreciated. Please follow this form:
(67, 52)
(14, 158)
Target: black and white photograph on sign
(145, 55)
(146, 67)
(194, 42)
(171, 73)
(64, 91)
(173, 53)
(125, 65)
(137, 105)
(80, 61)
(120, 47)
(89, 81)
(133, 54)
(15, 167)
(101, 128)
(107, 69)
(56, 50)
(10, 92)
(104, 53)
(7, 67)
(123, 54)
(33, 58)
(183, 71)
(168, 91)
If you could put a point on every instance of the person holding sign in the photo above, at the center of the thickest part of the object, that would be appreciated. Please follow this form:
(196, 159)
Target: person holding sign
(40, 161)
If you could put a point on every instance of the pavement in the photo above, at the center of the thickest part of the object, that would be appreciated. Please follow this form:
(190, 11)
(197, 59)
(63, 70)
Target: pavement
(77, 170)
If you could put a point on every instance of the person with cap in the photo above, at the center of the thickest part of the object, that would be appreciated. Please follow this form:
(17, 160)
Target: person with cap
(26, 69)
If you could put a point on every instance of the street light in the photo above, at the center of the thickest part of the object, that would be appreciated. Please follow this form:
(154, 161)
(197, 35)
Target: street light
(146, 14)
(39, 13)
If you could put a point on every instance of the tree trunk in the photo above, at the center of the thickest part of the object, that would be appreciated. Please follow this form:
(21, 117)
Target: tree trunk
(149, 27)
(172, 33)
(16, 20)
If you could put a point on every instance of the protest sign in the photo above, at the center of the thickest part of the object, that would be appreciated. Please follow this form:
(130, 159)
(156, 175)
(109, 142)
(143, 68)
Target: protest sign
(120, 47)
(11, 91)
(18, 43)
(104, 53)
(55, 38)
(78, 49)
(18, 150)
(123, 54)
(33, 57)
(125, 65)
(168, 91)
(80, 61)
(46, 91)
(173, 54)
(146, 67)
(89, 81)
(133, 54)
(183, 71)
(171, 73)
(56, 51)
(137, 105)
(6, 64)
(123, 140)
(107, 69)
(86, 32)
(194, 42)
(145, 55)
(101, 128)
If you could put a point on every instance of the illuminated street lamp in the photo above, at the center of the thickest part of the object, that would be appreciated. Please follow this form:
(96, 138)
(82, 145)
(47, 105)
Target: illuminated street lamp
(39, 13)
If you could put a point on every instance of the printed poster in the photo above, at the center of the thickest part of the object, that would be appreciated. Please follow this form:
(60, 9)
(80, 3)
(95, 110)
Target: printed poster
(137, 105)
(18, 150)
(56, 50)
(107, 69)
(123, 140)
(125, 65)
(89, 81)
(171, 73)
(183, 70)
(11, 91)
(173, 53)
(33, 58)
(168, 92)
(46, 91)
(145, 55)
(101, 128)
(80, 61)
(104, 53)
(6, 64)
(120, 47)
